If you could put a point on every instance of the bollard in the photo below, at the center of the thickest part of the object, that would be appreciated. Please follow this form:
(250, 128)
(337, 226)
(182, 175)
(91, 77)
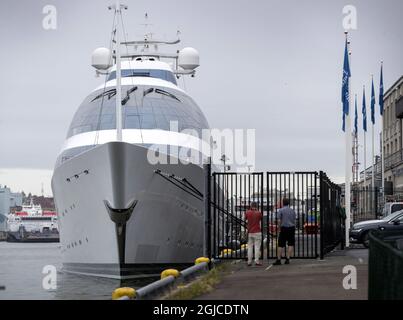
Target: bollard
(122, 293)
(202, 259)
(170, 272)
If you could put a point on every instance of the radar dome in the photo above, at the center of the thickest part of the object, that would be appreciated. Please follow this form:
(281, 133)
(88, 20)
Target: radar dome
(188, 58)
(101, 58)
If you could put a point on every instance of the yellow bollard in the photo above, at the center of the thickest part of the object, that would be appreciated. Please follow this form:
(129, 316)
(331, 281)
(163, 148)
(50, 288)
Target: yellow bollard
(225, 252)
(169, 272)
(244, 246)
(202, 259)
(123, 292)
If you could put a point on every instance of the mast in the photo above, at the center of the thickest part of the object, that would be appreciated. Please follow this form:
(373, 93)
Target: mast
(373, 159)
(118, 12)
(348, 155)
(382, 141)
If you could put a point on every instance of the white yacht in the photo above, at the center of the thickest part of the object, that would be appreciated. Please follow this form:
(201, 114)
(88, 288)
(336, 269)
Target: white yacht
(121, 213)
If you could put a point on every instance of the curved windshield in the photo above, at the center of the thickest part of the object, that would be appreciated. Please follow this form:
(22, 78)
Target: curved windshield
(156, 110)
(153, 73)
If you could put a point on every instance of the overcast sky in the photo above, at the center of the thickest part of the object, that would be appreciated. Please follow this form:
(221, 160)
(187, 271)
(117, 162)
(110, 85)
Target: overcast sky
(275, 66)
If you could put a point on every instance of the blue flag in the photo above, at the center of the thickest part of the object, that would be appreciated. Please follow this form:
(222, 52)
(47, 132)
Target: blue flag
(381, 92)
(373, 102)
(356, 117)
(345, 99)
(364, 111)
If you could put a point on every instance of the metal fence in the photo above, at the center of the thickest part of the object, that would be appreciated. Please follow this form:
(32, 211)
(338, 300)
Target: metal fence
(331, 224)
(232, 196)
(385, 265)
(366, 203)
(314, 198)
(302, 190)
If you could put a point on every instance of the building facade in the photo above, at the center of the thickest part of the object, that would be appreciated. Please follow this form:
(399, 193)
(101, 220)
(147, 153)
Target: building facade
(8, 200)
(393, 139)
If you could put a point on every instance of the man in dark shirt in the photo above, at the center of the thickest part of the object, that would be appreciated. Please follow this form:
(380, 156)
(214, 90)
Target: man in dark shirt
(254, 219)
(286, 218)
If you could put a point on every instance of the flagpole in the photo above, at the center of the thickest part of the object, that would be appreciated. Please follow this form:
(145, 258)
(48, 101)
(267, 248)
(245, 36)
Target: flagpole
(365, 170)
(373, 167)
(382, 141)
(373, 145)
(383, 164)
(355, 159)
(348, 166)
(364, 125)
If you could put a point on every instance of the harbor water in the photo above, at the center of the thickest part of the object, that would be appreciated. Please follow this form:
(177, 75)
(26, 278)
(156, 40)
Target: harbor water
(21, 275)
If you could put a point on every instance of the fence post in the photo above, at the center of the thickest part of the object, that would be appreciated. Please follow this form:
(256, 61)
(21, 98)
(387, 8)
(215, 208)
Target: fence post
(322, 214)
(207, 208)
(262, 222)
(342, 235)
(376, 202)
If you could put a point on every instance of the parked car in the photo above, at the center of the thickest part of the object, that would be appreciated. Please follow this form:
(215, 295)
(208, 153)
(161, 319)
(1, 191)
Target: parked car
(391, 207)
(360, 231)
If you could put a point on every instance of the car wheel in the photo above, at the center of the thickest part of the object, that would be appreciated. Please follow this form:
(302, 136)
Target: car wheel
(365, 239)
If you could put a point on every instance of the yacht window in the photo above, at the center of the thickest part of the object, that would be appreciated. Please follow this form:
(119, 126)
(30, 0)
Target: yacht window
(154, 111)
(153, 73)
(166, 94)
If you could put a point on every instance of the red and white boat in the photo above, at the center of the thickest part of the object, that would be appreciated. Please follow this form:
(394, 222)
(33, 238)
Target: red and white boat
(32, 224)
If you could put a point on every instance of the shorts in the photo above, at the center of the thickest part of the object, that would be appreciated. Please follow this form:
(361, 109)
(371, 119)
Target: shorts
(287, 236)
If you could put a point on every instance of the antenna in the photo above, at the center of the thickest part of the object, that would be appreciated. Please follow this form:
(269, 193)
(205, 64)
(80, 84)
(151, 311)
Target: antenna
(42, 192)
(118, 11)
(147, 35)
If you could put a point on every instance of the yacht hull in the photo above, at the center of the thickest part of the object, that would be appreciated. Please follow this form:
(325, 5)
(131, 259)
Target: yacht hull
(119, 219)
(32, 236)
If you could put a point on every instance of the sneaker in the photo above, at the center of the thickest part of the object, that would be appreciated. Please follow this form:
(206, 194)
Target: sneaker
(249, 264)
(287, 261)
(277, 263)
(258, 264)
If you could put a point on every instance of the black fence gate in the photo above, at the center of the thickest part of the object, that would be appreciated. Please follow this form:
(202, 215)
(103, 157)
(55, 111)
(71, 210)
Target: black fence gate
(302, 190)
(232, 196)
(314, 198)
(332, 224)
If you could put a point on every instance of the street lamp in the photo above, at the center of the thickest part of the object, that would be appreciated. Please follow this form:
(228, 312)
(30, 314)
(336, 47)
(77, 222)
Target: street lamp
(224, 159)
